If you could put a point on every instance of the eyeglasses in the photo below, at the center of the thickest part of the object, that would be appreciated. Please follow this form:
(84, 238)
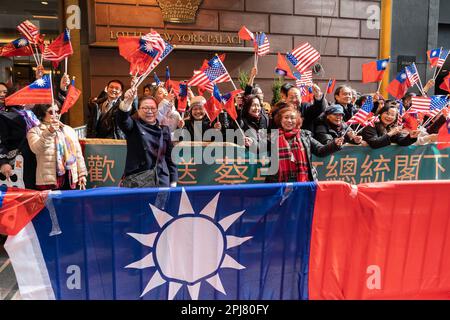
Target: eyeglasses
(52, 112)
(153, 110)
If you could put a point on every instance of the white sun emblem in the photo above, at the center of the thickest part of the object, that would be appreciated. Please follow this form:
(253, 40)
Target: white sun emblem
(403, 76)
(384, 64)
(40, 82)
(189, 248)
(22, 43)
(148, 46)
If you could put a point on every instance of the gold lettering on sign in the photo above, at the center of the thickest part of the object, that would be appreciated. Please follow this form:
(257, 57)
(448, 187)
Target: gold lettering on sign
(185, 37)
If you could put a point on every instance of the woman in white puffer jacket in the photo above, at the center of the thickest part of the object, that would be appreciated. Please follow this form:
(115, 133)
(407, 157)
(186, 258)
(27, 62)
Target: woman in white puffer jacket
(60, 162)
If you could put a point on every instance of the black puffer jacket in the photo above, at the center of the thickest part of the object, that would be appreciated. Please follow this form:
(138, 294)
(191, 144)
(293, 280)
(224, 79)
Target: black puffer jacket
(377, 137)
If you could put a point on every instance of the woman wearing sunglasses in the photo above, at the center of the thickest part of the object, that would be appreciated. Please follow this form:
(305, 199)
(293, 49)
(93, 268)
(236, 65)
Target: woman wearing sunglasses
(60, 162)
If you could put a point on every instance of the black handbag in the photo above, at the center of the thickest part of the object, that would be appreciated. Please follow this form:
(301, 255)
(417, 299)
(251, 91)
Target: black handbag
(143, 179)
(147, 178)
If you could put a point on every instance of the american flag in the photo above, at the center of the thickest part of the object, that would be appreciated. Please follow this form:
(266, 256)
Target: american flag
(303, 57)
(363, 113)
(215, 73)
(60, 48)
(155, 40)
(442, 57)
(437, 104)
(262, 44)
(412, 74)
(29, 31)
(305, 79)
(303, 91)
(167, 49)
(420, 104)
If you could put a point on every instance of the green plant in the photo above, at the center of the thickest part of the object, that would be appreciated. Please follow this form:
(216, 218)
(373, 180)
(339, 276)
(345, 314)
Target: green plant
(276, 88)
(243, 79)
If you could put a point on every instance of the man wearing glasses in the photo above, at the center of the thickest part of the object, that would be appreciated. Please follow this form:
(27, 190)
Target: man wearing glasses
(149, 145)
(102, 113)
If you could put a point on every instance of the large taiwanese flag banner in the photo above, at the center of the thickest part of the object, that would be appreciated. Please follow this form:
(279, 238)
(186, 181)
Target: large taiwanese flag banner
(198, 243)
(271, 241)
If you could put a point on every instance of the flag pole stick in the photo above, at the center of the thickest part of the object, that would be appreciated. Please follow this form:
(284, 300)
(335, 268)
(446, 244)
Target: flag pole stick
(37, 53)
(431, 119)
(428, 121)
(420, 80)
(34, 55)
(234, 86)
(255, 62)
(379, 85)
(356, 132)
(65, 64)
(346, 130)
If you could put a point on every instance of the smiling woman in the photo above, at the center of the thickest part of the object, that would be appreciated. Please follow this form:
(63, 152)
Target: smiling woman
(149, 146)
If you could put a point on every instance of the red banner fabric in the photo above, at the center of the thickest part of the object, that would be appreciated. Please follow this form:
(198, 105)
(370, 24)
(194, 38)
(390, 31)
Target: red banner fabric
(381, 241)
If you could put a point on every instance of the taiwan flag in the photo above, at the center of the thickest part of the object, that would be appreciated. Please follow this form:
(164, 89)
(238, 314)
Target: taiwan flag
(330, 86)
(18, 47)
(228, 103)
(281, 241)
(138, 51)
(399, 86)
(39, 92)
(283, 68)
(433, 56)
(445, 85)
(18, 207)
(373, 71)
(213, 106)
(71, 98)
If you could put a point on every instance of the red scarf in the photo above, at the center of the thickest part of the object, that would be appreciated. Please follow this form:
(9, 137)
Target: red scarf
(293, 162)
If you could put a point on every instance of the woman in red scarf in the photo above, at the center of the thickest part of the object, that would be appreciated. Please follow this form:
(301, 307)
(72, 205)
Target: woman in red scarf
(296, 146)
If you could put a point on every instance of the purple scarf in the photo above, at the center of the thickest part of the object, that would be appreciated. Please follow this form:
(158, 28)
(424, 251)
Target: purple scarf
(29, 117)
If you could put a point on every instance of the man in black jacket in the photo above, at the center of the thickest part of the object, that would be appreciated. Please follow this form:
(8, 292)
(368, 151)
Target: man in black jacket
(343, 96)
(309, 112)
(102, 113)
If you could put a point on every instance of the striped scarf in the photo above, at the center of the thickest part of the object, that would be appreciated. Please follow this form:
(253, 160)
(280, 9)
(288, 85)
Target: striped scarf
(293, 162)
(65, 152)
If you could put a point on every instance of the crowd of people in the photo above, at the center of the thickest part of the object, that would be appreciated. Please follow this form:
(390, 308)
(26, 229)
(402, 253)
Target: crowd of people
(53, 158)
